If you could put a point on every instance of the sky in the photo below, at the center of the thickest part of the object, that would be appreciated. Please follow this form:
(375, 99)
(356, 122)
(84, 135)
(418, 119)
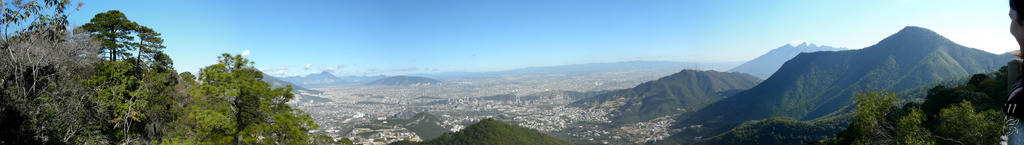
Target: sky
(395, 37)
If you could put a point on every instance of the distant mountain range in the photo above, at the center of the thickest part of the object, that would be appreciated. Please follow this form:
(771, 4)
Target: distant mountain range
(302, 94)
(490, 131)
(765, 65)
(576, 69)
(326, 79)
(820, 84)
(685, 91)
(404, 81)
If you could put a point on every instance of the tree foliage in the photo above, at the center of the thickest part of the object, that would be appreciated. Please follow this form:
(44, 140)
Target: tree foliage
(962, 124)
(43, 100)
(55, 88)
(966, 114)
(778, 131)
(114, 30)
(232, 106)
(910, 129)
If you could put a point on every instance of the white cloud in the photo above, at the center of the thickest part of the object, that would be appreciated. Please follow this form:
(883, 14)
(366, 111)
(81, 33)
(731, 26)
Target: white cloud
(274, 69)
(308, 65)
(245, 53)
(277, 71)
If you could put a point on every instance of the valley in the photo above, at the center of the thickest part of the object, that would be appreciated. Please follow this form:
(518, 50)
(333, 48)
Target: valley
(535, 100)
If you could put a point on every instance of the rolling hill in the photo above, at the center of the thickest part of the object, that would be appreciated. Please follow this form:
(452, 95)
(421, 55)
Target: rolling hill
(685, 91)
(765, 65)
(815, 85)
(491, 132)
(404, 81)
(425, 125)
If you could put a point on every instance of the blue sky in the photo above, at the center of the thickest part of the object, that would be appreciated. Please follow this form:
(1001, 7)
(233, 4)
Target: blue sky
(391, 37)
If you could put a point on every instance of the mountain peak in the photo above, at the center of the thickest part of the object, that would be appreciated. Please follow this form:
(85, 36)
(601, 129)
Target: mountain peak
(796, 43)
(763, 66)
(323, 74)
(914, 35)
(916, 31)
(807, 46)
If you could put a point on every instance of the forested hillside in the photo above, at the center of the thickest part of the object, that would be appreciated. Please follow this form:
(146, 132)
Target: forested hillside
(109, 82)
(965, 114)
(822, 84)
(685, 91)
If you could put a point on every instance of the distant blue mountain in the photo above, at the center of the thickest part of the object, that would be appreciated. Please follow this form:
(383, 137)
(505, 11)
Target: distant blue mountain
(573, 69)
(302, 94)
(325, 79)
(765, 65)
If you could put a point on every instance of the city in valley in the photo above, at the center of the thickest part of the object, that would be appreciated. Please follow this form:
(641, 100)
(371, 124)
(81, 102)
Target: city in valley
(381, 114)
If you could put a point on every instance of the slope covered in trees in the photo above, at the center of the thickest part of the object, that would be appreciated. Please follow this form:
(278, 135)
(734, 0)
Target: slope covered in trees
(965, 114)
(779, 131)
(490, 131)
(109, 82)
(814, 85)
(681, 92)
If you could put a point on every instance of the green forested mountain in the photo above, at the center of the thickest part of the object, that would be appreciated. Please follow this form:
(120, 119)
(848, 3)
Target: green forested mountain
(681, 92)
(492, 132)
(814, 85)
(426, 125)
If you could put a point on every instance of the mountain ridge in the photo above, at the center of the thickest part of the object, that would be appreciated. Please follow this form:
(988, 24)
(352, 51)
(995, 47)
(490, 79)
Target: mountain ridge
(327, 79)
(681, 92)
(302, 94)
(813, 85)
(765, 65)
